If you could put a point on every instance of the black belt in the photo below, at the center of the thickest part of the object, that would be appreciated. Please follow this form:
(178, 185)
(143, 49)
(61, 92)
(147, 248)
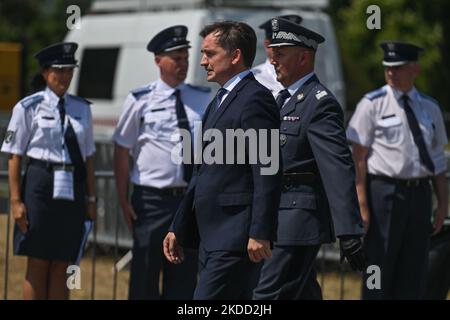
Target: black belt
(413, 182)
(47, 164)
(175, 191)
(296, 178)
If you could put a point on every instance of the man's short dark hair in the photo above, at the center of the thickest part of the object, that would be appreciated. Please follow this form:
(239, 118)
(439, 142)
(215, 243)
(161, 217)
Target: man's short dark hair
(232, 35)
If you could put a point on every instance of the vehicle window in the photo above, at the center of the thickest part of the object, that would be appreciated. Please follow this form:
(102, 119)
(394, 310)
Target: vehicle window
(97, 73)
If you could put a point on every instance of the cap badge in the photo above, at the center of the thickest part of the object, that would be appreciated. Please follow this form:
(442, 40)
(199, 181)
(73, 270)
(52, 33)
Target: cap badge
(275, 25)
(67, 48)
(178, 31)
(391, 46)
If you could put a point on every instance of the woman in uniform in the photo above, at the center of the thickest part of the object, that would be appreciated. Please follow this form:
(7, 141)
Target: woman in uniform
(54, 130)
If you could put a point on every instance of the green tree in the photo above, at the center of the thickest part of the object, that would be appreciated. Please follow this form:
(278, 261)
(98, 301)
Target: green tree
(36, 24)
(424, 23)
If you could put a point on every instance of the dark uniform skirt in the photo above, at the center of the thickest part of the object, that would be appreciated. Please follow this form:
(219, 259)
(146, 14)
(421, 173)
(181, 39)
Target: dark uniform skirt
(55, 227)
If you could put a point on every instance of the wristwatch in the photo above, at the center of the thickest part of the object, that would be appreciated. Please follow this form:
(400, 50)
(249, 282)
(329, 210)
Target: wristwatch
(91, 199)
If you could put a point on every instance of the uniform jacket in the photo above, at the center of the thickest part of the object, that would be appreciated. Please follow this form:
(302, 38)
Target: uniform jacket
(312, 139)
(228, 203)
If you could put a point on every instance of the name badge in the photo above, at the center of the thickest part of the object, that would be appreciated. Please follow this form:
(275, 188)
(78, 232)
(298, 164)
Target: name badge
(63, 183)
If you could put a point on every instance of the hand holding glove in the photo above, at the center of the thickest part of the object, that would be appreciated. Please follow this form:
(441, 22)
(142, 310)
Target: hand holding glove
(352, 250)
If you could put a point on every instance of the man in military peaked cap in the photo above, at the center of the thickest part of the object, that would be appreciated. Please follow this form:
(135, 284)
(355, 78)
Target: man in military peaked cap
(398, 138)
(265, 73)
(287, 33)
(170, 39)
(399, 53)
(318, 200)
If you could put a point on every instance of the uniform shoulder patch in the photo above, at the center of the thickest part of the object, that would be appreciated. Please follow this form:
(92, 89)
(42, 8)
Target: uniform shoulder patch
(137, 93)
(80, 99)
(424, 96)
(321, 93)
(200, 88)
(376, 94)
(32, 100)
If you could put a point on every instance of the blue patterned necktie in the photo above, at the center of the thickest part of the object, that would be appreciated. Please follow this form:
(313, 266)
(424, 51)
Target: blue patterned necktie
(220, 93)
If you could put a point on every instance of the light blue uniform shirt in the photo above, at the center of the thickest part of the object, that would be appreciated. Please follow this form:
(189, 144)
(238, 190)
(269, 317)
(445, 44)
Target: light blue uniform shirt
(35, 127)
(146, 126)
(380, 123)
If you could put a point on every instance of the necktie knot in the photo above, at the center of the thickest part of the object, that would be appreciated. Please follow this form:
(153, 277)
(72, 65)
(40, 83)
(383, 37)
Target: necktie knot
(176, 93)
(220, 93)
(405, 98)
(282, 96)
(61, 104)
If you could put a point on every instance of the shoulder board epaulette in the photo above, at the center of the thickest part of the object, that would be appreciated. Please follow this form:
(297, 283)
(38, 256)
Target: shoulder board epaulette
(200, 88)
(32, 100)
(80, 99)
(424, 96)
(376, 94)
(137, 93)
(320, 92)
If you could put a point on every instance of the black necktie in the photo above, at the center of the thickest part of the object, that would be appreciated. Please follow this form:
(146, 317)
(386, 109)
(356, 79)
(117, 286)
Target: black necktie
(281, 98)
(183, 123)
(62, 111)
(70, 140)
(417, 135)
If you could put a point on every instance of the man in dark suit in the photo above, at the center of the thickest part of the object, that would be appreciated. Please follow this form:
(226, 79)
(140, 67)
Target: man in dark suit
(230, 209)
(319, 200)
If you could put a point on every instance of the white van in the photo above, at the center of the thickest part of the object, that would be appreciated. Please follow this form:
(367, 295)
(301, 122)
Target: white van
(113, 60)
(114, 35)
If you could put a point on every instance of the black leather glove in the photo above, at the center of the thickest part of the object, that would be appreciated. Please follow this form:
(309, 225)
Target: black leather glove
(352, 249)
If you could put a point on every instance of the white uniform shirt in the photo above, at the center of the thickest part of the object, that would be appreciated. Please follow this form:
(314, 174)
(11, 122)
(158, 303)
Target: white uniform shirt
(380, 123)
(35, 127)
(146, 125)
(266, 75)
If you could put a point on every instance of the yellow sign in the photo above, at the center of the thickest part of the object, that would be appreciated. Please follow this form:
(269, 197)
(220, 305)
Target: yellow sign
(10, 73)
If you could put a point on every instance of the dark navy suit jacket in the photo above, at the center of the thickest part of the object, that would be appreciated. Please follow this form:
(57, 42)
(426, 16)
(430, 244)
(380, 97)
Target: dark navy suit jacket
(313, 140)
(226, 204)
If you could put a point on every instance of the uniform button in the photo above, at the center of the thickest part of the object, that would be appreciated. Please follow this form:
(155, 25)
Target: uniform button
(284, 129)
(294, 203)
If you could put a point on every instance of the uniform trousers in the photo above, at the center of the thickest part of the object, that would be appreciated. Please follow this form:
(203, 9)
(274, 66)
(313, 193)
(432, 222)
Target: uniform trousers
(398, 237)
(289, 275)
(155, 210)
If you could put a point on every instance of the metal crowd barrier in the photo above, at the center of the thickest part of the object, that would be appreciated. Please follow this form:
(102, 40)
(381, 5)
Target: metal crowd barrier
(110, 230)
